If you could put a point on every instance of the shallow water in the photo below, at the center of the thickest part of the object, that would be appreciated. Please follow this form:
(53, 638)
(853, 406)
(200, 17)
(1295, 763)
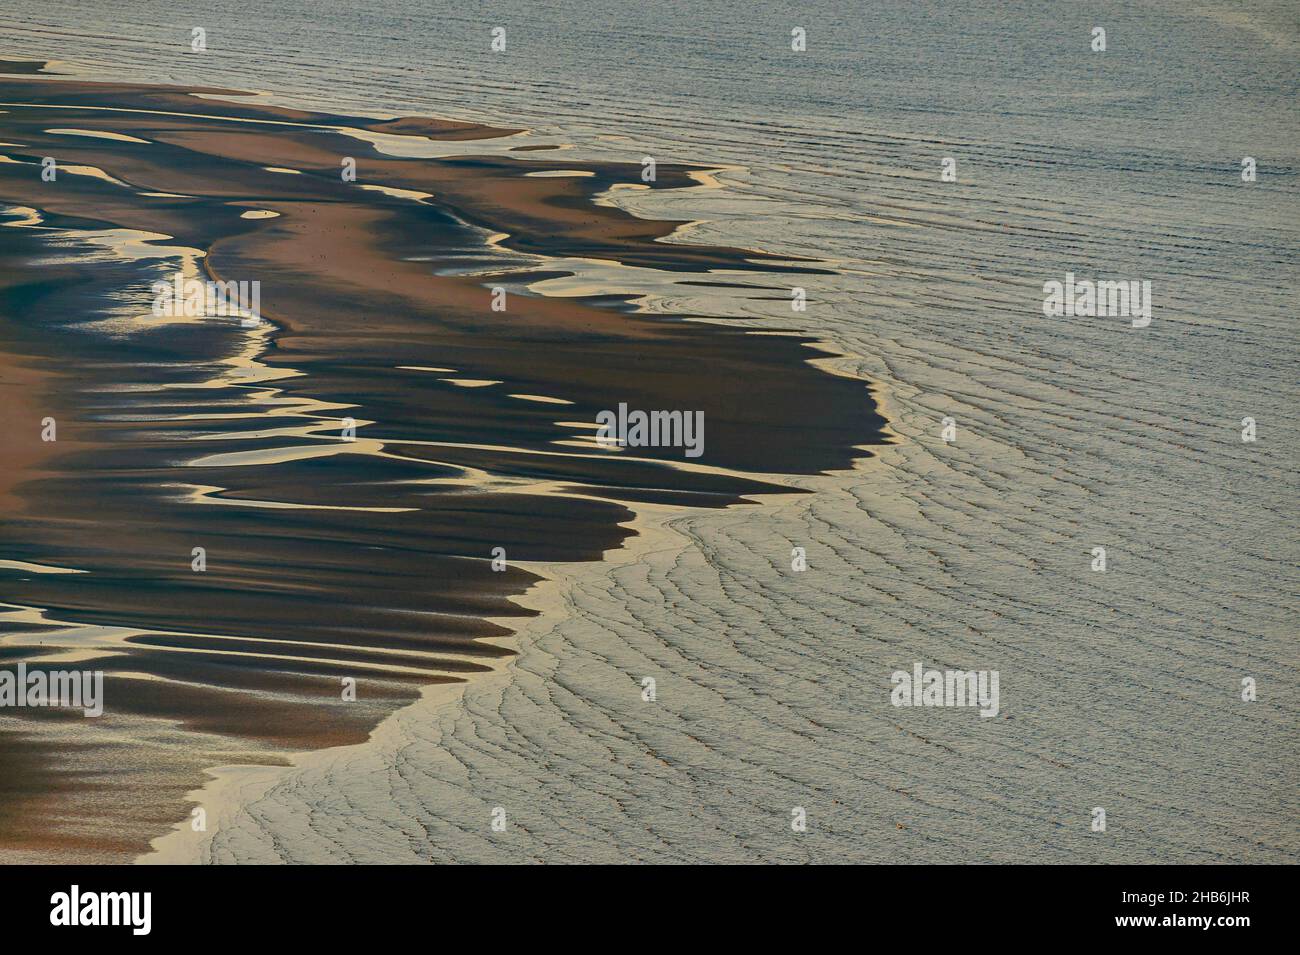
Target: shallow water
(1119, 689)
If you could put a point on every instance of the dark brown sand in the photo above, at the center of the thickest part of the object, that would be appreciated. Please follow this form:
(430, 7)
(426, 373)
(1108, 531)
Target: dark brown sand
(325, 559)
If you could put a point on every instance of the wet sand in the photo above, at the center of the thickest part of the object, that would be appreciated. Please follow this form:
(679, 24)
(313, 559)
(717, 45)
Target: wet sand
(326, 559)
(24, 66)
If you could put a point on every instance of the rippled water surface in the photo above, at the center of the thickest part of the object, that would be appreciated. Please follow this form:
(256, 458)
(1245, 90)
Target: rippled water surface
(1120, 689)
